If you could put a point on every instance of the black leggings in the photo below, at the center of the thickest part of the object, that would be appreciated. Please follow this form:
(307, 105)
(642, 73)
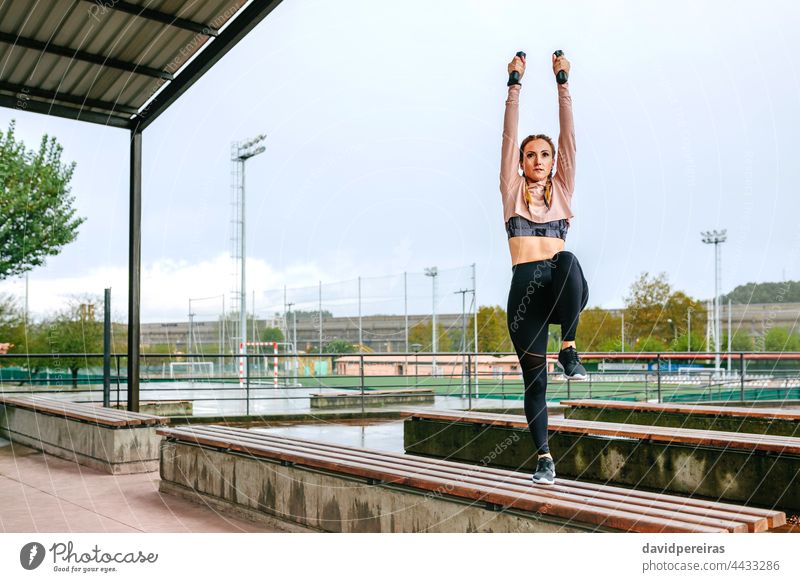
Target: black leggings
(543, 292)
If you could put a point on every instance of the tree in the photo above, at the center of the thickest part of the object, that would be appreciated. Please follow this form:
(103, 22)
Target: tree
(778, 339)
(749, 293)
(653, 310)
(611, 344)
(272, 334)
(650, 344)
(339, 346)
(644, 307)
(422, 334)
(681, 344)
(38, 217)
(12, 323)
(74, 331)
(741, 342)
(493, 333)
(597, 327)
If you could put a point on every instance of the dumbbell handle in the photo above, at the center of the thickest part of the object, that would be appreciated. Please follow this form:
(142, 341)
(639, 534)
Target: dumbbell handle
(513, 78)
(561, 76)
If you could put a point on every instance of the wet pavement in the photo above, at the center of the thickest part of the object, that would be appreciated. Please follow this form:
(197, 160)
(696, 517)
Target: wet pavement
(384, 436)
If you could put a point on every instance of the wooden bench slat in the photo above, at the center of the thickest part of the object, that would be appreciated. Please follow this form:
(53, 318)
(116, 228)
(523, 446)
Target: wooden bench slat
(770, 443)
(79, 411)
(54, 410)
(59, 406)
(618, 520)
(515, 482)
(532, 501)
(774, 518)
(760, 519)
(776, 413)
(779, 517)
(44, 400)
(106, 412)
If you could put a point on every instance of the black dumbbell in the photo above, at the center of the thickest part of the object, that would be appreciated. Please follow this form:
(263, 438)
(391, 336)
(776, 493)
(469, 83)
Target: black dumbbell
(561, 76)
(513, 78)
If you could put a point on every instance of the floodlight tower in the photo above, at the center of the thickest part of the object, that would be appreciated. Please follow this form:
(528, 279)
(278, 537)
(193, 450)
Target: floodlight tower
(433, 272)
(240, 153)
(715, 238)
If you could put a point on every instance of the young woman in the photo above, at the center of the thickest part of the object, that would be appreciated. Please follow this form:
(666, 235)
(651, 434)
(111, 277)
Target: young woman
(547, 284)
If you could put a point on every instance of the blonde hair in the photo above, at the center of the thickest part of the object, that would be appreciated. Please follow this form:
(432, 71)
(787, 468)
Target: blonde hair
(548, 188)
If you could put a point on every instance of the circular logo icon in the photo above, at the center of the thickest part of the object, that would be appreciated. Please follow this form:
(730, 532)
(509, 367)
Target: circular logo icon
(31, 555)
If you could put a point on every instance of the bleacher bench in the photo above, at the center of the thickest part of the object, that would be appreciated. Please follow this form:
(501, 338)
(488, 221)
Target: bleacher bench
(372, 397)
(314, 484)
(727, 466)
(116, 441)
(772, 421)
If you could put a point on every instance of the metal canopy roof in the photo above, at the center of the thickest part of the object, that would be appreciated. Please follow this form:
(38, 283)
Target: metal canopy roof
(102, 61)
(120, 64)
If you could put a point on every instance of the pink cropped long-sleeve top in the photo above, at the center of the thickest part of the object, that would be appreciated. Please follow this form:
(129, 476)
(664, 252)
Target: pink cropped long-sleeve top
(537, 219)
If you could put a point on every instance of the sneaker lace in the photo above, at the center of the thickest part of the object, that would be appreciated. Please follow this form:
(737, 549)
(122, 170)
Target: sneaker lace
(574, 355)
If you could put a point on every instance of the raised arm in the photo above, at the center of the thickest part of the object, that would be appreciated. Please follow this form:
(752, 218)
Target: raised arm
(565, 165)
(509, 156)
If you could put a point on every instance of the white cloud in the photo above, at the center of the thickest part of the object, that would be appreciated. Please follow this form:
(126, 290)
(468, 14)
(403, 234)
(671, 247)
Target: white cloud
(167, 285)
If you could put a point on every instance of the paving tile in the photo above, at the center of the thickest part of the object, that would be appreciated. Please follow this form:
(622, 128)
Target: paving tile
(42, 493)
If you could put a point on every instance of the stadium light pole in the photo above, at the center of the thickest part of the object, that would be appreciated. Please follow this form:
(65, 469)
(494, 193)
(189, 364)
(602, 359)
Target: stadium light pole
(464, 370)
(432, 272)
(716, 238)
(293, 336)
(689, 329)
(242, 153)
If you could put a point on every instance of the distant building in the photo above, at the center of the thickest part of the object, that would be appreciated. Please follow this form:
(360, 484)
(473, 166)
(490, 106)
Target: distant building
(380, 333)
(506, 367)
(386, 333)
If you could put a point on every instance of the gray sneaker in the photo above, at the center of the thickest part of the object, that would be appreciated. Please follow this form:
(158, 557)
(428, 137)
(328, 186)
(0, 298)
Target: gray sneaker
(545, 471)
(570, 361)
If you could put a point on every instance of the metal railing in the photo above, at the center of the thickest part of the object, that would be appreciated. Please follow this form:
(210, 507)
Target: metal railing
(217, 384)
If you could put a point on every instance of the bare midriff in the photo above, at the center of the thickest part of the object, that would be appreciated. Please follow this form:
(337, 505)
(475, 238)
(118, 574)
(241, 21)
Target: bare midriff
(525, 249)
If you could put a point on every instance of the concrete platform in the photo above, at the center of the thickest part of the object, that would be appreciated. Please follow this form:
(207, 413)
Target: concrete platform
(116, 450)
(261, 489)
(41, 493)
(372, 398)
(162, 407)
(725, 473)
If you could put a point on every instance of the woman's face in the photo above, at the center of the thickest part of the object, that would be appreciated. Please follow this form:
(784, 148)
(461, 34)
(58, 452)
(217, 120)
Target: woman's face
(537, 160)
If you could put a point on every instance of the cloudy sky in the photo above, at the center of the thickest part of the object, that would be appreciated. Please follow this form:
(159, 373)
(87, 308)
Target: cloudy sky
(384, 124)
